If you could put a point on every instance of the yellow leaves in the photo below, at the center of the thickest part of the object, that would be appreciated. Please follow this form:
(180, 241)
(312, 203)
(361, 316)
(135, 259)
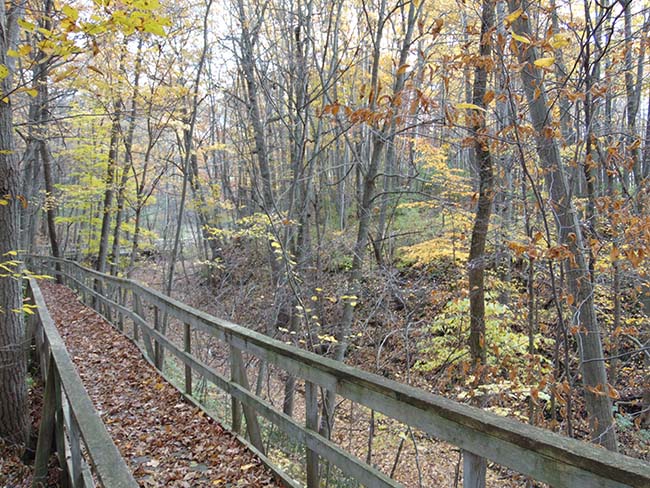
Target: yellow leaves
(70, 12)
(154, 27)
(519, 37)
(29, 308)
(469, 106)
(614, 254)
(328, 338)
(514, 16)
(22, 51)
(64, 74)
(146, 4)
(402, 69)
(28, 26)
(559, 40)
(545, 62)
(4, 72)
(95, 69)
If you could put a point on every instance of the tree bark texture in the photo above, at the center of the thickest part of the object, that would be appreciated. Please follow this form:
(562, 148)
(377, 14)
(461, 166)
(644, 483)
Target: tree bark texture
(594, 374)
(13, 366)
(483, 161)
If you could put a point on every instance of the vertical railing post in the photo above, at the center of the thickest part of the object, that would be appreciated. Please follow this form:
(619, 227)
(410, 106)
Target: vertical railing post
(108, 292)
(46, 429)
(157, 350)
(76, 467)
(235, 405)
(311, 418)
(81, 285)
(238, 373)
(187, 347)
(474, 469)
(59, 432)
(137, 306)
(97, 287)
(121, 299)
(146, 337)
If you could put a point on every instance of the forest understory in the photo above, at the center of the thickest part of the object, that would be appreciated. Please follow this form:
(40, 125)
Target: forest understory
(411, 326)
(454, 195)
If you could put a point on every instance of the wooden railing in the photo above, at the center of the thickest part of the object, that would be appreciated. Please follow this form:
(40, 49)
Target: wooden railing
(537, 453)
(69, 420)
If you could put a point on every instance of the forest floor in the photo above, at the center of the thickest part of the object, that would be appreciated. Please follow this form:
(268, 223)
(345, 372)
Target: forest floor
(15, 471)
(394, 320)
(164, 440)
(411, 457)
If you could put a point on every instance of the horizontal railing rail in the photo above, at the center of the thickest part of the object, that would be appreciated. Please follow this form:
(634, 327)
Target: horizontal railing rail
(69, 420)
(537, 453)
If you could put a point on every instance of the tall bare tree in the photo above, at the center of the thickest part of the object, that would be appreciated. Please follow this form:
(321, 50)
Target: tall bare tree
(13, 366)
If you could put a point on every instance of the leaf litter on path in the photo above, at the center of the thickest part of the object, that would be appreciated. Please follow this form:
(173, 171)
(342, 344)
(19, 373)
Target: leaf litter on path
(164, 440)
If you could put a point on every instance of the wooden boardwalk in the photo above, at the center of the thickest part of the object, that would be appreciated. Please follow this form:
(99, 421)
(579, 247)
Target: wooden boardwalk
(164, 440)
(534, 452)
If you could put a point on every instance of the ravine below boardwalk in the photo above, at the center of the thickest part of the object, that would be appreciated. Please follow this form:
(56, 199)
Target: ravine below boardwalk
(164, 440)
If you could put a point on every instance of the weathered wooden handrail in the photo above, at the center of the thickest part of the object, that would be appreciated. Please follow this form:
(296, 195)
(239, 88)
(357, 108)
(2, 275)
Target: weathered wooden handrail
(540, 454)
(69, 415)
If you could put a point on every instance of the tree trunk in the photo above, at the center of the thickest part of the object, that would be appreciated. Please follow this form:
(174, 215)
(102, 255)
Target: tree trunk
(102, 257)
(188, 150)
(483, 162)
(128, 163)
(13, 365)
(594, 375)
(40, 83)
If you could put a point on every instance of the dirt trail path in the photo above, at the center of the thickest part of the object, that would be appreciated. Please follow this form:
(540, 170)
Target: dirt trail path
(165, 441)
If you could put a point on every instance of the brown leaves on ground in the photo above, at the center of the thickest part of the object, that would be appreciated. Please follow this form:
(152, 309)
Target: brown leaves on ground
(165, 440)
(12, 470)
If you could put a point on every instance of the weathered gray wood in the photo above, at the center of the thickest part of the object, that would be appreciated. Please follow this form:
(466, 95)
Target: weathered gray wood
(45, 431)
(235, 405)
(187, 347)
(311, 421)
(474, 469)
(279, 472)
(252, 425)
(59, 432)
(108, 293)
(348, 463)
(109, 466)
(158, 352)
(76, 473)
(543, 455)
(141, 319)
(121, 294)
(136, 298)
